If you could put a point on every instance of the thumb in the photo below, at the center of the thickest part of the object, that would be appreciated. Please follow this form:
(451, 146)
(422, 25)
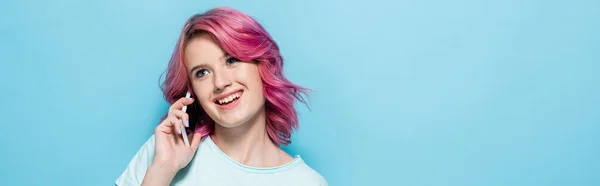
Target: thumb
(196, 141)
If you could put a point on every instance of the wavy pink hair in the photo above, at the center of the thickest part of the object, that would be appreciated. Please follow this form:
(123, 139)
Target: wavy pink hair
(244, 38)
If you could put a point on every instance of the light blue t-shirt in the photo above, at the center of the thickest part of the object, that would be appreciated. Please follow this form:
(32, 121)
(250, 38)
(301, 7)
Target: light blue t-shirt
(210, 166)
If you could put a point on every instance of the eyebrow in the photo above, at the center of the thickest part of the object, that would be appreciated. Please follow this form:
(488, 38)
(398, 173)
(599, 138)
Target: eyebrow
(204, 65)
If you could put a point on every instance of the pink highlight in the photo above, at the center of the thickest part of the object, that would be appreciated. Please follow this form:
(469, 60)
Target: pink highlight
(244, 38)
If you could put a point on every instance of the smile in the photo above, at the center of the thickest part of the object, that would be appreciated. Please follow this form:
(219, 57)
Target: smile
(230, 98)
(229, 101)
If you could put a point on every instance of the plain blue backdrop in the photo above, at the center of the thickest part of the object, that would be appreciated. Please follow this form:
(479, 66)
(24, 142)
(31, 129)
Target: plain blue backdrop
(433, 92)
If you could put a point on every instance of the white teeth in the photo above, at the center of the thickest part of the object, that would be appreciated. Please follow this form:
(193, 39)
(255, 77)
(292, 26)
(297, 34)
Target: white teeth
(229, 98)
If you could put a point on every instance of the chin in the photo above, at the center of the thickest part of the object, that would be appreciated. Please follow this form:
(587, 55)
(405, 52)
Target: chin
(228, 124)
(232, 119)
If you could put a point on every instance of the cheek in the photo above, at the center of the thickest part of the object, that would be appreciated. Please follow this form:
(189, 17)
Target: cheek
(252, 74)
(256, 83)
(202, 94)
(249, 76)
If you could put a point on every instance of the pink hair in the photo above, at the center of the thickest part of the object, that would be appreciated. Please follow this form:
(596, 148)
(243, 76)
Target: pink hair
(244, 38)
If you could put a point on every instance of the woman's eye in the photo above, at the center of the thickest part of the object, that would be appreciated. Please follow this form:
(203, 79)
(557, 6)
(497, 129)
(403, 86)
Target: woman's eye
(231, 60)
(201, 73)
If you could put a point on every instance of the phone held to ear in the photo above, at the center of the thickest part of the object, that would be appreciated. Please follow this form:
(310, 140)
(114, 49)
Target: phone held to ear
(183, 132)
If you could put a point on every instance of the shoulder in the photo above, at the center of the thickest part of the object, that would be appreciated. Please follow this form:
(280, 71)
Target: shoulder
(308, 174)
(136, 169)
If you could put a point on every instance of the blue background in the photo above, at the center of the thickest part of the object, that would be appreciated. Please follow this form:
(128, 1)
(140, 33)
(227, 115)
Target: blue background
(502, 92)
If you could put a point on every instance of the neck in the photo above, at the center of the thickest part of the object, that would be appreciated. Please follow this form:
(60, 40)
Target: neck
(249, 143)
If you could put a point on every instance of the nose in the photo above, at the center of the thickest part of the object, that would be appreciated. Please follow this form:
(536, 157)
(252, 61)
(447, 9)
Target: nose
(221, 80)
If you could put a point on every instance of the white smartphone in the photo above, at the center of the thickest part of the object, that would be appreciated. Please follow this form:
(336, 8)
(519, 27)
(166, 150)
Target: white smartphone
(183, 132)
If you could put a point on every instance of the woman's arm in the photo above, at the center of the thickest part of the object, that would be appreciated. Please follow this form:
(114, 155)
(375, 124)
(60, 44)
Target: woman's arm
(171, 154)
(159, 174)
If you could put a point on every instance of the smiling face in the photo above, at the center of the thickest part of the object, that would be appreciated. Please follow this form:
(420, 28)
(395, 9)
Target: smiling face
(229, 90)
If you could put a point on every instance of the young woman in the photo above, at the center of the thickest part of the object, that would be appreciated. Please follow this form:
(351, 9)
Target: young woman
(240, 113)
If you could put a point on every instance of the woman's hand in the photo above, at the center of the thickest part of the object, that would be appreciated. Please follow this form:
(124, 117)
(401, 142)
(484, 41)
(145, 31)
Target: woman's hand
(171, 153)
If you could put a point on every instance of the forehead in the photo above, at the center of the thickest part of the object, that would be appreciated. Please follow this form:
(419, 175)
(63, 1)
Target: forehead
(202, 49)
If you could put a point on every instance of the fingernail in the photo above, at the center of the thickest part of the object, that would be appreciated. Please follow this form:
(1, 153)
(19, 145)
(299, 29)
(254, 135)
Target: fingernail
(187, 123)
(179, 130)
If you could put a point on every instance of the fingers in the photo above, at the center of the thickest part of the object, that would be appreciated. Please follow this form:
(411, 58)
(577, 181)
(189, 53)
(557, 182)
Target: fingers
(165, 126)
(185, 118)
(195, 141)
(176, 118)
(176, 110)
(178, 105)
(177, 125)
(175, 130)
(169, 126)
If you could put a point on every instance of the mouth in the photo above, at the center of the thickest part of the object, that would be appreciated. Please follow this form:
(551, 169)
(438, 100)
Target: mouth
(229, 100)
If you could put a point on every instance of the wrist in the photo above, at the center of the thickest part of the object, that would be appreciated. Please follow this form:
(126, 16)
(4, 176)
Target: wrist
(159, 174)
(165, 168)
